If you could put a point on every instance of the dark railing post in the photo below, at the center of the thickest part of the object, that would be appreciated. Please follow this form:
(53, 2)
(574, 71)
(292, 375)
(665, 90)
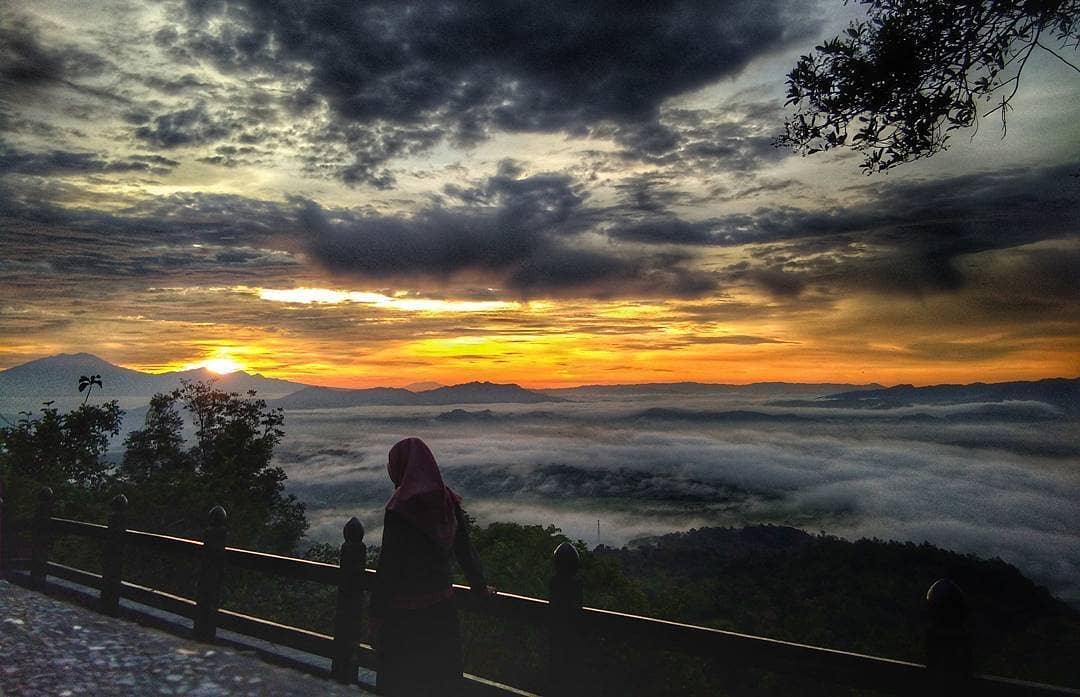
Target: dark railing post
(4, 544)
(948, 640)
(211, 575)
(564, 662)
(348, 617)
(112, 570)
(42, 544)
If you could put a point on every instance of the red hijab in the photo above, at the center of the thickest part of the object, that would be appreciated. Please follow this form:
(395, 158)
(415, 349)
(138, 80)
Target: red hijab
(421, 497)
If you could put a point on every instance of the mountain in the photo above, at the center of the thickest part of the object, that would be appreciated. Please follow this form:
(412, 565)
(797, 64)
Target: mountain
(485, 393)
(423, 386)
(242, 382)
(55, 378)
(339, 397)
(1061, 393)
(468, 393)
(703, 389)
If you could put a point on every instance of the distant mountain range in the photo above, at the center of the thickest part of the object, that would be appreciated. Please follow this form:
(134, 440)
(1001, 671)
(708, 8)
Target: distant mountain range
(692, 389)
(468, 393)
(55, 378)
(26, 386)
(1061, 393)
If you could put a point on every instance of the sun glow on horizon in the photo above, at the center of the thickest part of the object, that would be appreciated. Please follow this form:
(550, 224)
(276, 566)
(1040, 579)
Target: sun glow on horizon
(221, 366)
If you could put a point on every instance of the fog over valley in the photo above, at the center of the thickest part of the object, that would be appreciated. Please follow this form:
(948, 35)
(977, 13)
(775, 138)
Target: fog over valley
(993, 478)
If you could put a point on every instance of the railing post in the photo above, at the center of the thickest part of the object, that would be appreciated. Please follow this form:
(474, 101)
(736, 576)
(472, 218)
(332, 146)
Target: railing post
(211, 575)
(112, 569)
(348, 617)
(948, 640)
(564, 662)
(42, 544)
(4, 544)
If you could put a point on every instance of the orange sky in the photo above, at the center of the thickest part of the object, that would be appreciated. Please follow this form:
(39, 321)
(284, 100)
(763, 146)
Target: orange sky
(505, 216)
(564, 343)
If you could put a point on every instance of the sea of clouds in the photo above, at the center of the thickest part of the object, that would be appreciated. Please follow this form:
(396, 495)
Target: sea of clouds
(990, 479)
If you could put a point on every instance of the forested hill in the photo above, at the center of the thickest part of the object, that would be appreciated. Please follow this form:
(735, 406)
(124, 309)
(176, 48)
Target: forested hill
(864, 596)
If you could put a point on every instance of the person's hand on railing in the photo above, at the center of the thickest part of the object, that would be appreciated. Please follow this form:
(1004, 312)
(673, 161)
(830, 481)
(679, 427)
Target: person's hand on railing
(485, 592)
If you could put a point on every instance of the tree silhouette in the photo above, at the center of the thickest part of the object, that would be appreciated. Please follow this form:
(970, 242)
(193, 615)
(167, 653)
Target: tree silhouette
(897, 84)
(87, 383)
(229, 462)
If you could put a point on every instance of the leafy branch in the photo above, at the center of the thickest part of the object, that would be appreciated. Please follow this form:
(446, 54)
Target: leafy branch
(896, 85)
(87, 383)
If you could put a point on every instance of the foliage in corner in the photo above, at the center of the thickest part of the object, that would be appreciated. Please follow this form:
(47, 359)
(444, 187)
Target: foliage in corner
(896, 85)
(63, 451)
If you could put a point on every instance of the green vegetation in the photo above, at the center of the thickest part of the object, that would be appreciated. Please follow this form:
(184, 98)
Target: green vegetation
(773, 581)
(64, 451)
(170, 484)
(228, 464)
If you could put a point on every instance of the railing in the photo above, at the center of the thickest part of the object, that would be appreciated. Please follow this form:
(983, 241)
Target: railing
(569, 625)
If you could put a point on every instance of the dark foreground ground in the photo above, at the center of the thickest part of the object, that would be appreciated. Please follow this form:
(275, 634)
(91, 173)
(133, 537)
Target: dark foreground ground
(49, 648)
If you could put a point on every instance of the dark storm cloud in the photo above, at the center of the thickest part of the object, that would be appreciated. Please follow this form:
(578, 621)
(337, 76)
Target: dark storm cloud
(526, 234)
(461, 70)
(908, 238)
(193, 126)
(26, 62)
(988, 210)
(61, 163)
(666, 229)
(531, 236)
(28, 65)
(186, 83)
(233, 156)
(189, 239)
(738, 138)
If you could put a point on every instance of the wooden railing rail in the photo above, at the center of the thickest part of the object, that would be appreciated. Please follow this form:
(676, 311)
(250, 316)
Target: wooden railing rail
(569, 624)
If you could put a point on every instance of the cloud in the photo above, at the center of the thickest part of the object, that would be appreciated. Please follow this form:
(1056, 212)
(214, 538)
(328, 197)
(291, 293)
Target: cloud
(906, 238)
(63, 163)
(885, 474)
(739, 138)
(526, 234)
(26, 62)
(412, 74)
(193, 126)
(29, 65)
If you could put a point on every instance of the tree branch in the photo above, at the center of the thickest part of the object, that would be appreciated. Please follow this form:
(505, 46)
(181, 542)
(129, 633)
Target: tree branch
(1055, 54)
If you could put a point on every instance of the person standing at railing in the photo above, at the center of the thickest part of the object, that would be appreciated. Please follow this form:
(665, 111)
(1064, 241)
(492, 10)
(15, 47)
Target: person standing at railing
(413, 617)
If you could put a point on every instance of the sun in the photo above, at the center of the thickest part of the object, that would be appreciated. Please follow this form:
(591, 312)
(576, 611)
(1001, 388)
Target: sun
(221, 366)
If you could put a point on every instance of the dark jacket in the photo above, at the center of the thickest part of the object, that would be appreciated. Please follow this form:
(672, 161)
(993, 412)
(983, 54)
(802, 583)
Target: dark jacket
(412, 565)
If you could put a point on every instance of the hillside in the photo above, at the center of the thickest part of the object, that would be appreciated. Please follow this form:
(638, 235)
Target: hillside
(468, 393)
(1061, 393)
(863, 596)
(55, 378)
(703, 389)
(772, 581)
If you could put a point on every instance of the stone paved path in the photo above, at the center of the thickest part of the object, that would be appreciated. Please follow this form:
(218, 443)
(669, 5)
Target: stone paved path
(49, 648)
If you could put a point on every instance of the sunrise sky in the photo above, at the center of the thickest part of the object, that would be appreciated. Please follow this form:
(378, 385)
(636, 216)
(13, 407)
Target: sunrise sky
(548, 193)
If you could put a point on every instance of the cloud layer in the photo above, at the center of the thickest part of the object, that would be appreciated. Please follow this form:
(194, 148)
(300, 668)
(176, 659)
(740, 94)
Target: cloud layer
(413, 74)
(980, 484)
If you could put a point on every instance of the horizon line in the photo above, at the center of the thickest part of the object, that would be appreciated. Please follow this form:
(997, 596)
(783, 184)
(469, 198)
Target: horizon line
(252, 373)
